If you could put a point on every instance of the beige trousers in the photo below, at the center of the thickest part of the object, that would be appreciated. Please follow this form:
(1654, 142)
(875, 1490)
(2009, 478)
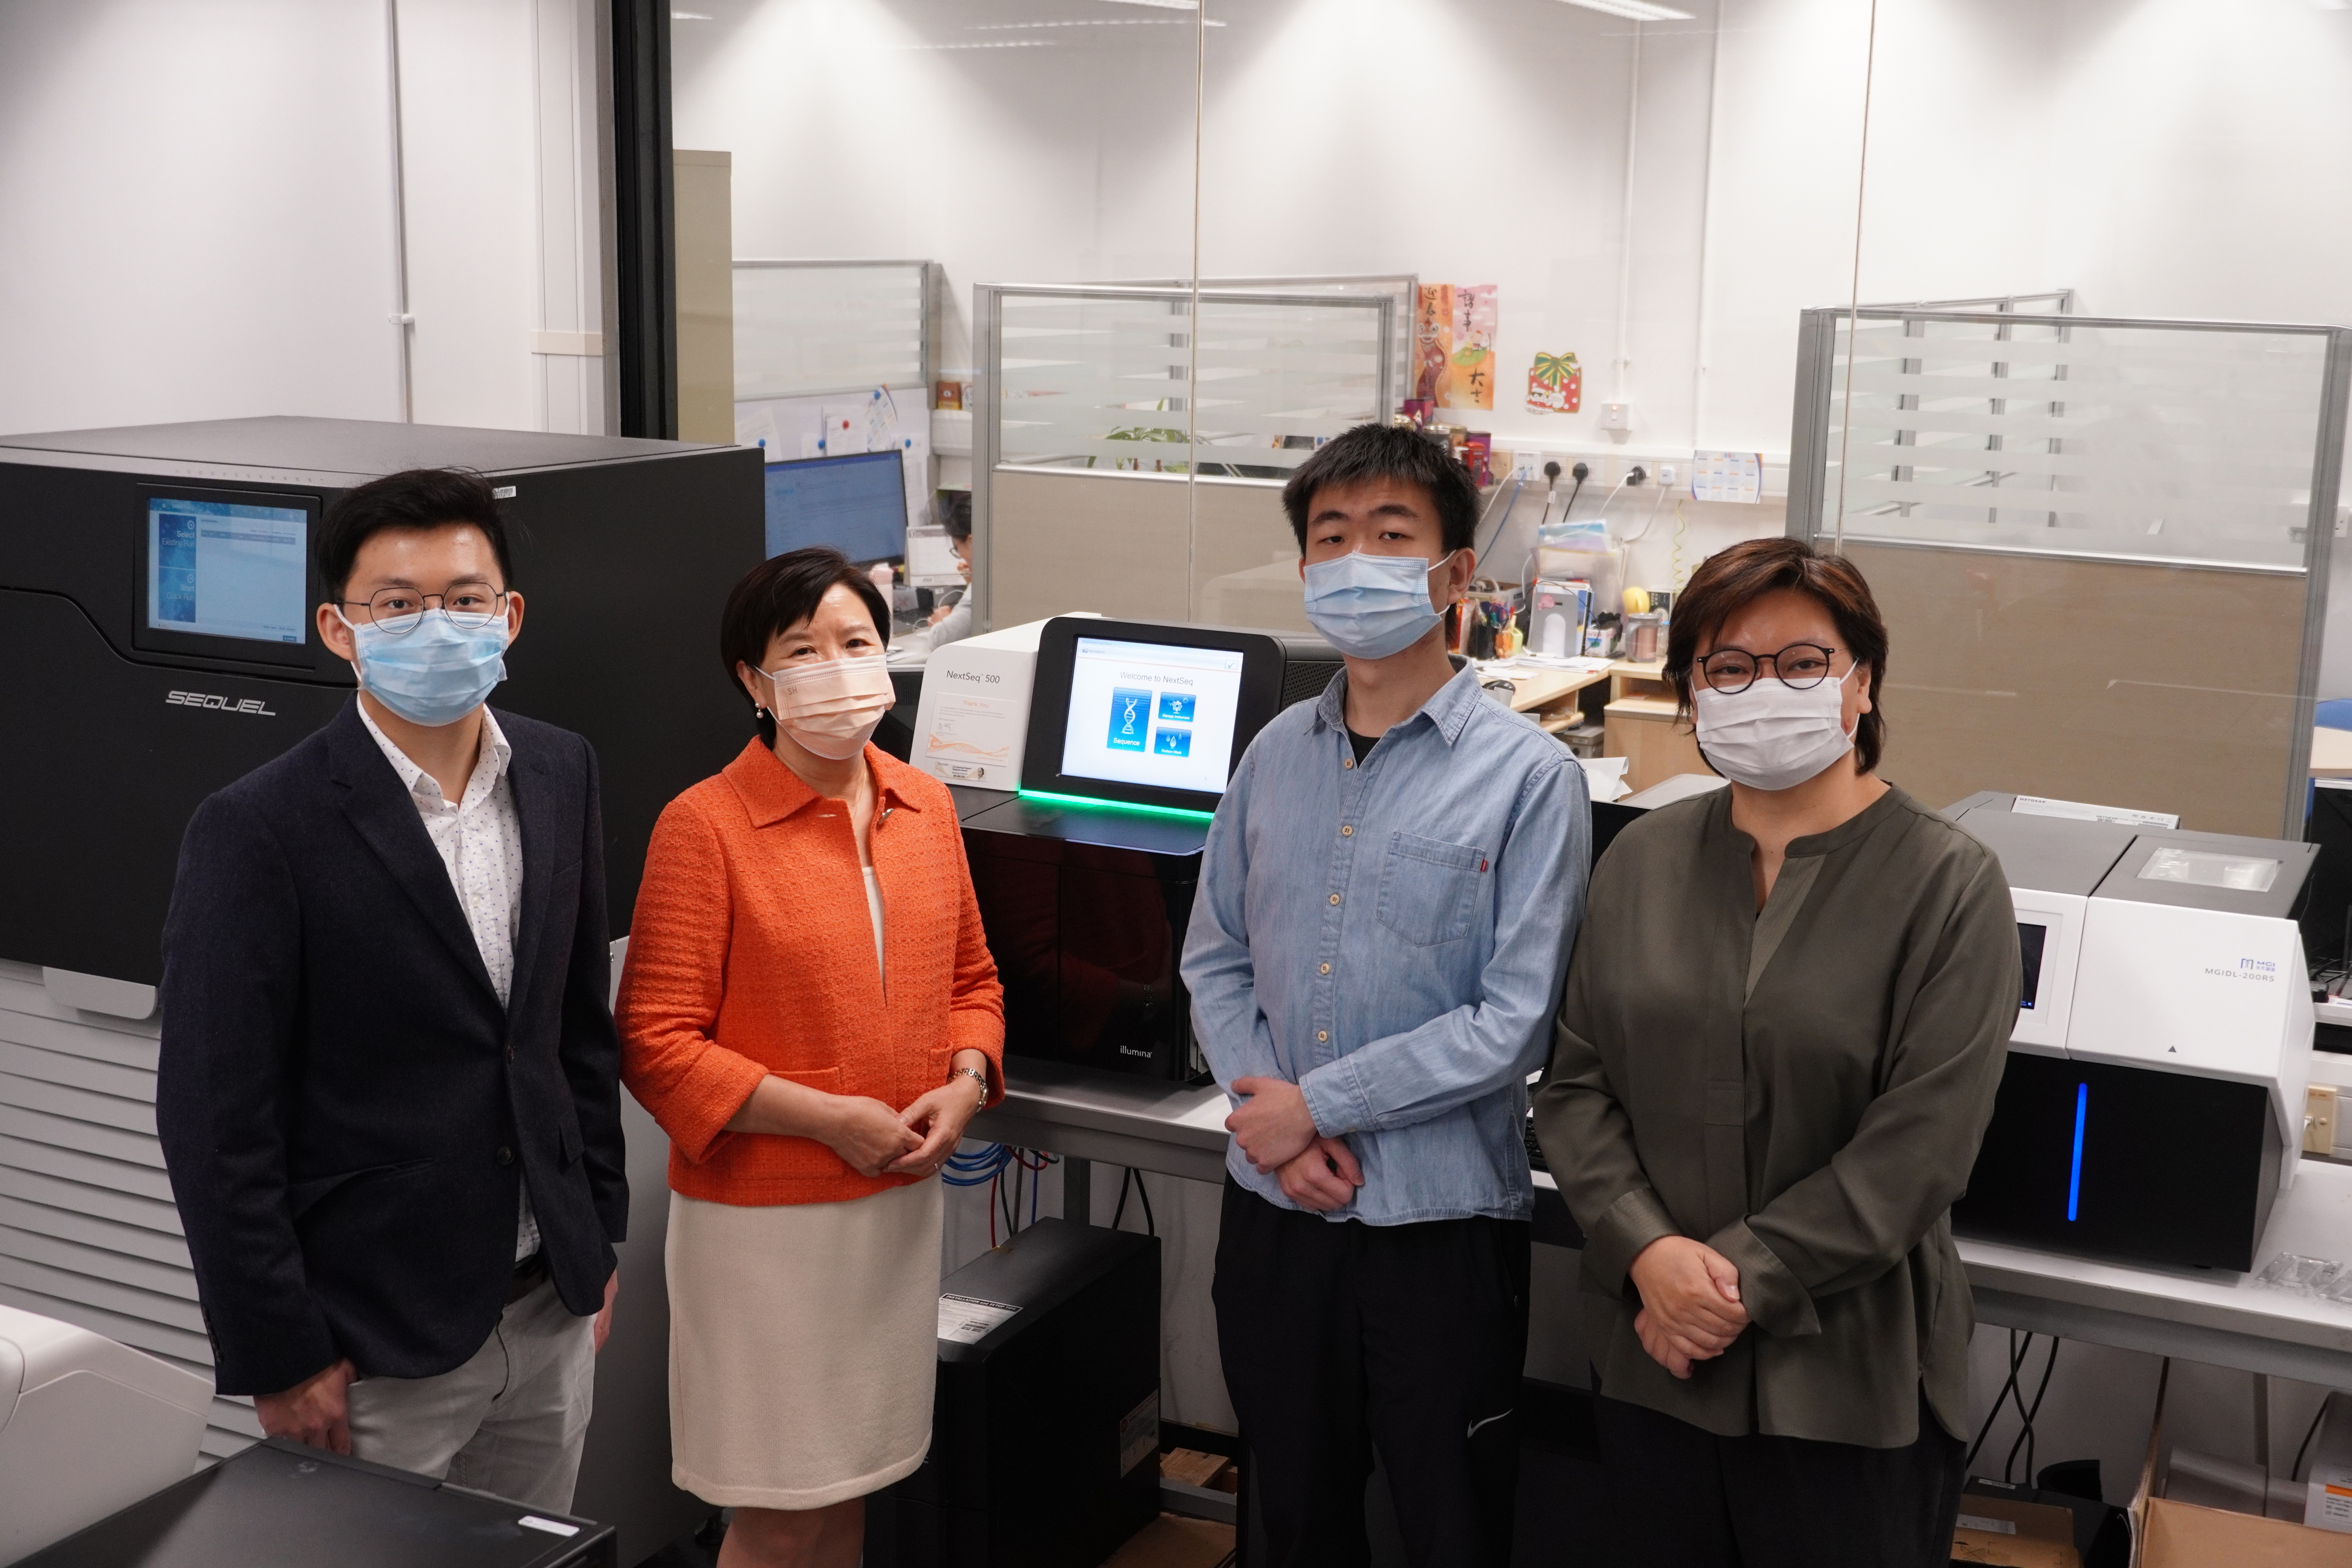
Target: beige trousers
(511, 1421)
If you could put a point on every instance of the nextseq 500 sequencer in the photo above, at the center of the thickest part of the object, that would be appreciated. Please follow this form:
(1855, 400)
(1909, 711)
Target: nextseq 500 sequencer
(1086, 876)
(2152, 1104)
(157, 601)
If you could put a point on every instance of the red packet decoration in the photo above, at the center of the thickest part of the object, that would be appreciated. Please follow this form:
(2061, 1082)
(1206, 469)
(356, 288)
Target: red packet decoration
(1555, 384)
(1472, 382)
(1433, 344)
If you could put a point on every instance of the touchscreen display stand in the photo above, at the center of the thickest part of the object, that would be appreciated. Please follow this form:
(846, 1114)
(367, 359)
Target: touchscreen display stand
(1146, 715)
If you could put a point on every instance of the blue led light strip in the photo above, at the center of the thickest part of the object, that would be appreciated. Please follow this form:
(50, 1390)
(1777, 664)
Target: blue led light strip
(2074, 1179)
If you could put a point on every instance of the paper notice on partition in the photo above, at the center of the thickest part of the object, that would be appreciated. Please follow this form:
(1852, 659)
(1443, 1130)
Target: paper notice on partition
(843, 430)
(1728, 476)
(968, 1320)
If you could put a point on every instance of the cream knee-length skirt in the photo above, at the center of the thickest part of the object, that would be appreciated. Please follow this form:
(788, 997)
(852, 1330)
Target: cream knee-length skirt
(804, 1346)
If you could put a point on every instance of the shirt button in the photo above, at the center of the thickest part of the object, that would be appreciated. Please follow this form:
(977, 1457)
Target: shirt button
(506, 1155)
(1348, 832)
(1347, 762)
(1322, 1034)
(1335, 898)
(1327, 969)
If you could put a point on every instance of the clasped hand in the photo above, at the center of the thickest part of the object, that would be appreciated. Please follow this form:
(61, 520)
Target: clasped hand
(1690, 1309)
(875, 1141)
(1277, 1134)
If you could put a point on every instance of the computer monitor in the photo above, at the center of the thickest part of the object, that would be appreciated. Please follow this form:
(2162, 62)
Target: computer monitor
(226, 573)
(1147, 714)
(855, 502)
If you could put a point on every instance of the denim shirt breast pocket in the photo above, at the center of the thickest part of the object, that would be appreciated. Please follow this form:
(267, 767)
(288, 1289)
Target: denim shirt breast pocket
(1429, 888)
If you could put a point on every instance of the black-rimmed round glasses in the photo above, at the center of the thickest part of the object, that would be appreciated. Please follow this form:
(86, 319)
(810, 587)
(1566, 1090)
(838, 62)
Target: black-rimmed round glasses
(469, 606)
(1801, 665)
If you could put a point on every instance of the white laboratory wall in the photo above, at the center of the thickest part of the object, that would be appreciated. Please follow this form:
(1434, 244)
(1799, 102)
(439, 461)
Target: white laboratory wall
(198, 213)
(195, 215)
(467, 130)
(1009, 142)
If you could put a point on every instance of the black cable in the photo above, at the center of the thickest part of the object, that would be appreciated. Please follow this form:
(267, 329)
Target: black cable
(1003, 1191)
(2025, 1432)
(2294, 1472)
(1125, 1182)
(1150, 1225)
(2016, 1360)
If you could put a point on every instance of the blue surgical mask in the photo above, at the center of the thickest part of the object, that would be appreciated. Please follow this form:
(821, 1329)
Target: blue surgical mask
(436, 672)
(1369, 606)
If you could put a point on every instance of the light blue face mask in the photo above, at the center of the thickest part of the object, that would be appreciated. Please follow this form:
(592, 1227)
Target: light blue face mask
(435, 673)
(1369, 606)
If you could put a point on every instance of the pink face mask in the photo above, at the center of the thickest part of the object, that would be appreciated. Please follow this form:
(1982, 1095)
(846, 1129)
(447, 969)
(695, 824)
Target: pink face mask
(830, 706)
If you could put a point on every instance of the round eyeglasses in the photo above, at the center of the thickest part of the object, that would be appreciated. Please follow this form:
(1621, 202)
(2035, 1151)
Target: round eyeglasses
(1801, 665)
(469, 606)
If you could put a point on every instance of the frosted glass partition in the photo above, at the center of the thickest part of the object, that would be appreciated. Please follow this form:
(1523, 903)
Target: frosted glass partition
(2117, 439)
(810, 328)
(1102, 378)
(1400, 288)
(2100, 545)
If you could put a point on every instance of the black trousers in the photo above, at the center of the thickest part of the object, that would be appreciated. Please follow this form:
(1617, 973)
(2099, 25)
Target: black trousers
(1337, 1337)
(1687, 1499)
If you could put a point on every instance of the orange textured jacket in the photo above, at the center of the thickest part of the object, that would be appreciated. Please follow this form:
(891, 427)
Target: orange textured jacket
(752, 953)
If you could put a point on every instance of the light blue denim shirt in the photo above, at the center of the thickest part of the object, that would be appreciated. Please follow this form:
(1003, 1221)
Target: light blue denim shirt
(1391, 938)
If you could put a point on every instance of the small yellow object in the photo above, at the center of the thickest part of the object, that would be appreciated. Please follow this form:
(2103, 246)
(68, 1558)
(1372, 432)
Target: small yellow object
(1637, 601)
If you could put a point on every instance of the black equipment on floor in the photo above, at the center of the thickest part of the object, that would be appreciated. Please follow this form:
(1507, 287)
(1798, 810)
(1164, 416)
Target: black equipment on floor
(157, 600)
(291, 1507)
(1045, 1434)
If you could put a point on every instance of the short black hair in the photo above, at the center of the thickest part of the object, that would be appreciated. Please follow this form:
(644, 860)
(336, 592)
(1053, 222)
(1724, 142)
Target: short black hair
(955, 513)
(415, 499)
(778, 595)
(1388, 452)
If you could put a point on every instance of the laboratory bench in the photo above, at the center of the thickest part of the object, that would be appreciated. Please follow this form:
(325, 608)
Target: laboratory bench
(2213, 1316)
(1637, 712)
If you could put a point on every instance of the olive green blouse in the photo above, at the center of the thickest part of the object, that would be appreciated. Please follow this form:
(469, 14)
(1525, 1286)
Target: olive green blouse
(1803, 1089)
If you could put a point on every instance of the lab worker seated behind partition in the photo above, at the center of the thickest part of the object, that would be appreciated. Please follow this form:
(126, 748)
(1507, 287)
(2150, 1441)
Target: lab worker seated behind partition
(949, 622)
(1783, 1028)
(810, 1012)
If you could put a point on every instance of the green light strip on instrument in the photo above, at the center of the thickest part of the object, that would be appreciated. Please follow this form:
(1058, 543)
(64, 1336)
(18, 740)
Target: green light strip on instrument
(1115, 805)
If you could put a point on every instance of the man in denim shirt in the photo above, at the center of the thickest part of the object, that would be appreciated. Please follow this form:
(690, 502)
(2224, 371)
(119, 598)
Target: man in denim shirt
(1392, 887)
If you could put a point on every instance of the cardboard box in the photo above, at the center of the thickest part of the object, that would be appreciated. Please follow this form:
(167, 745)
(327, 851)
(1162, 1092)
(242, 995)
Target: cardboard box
(2014, 1534)
(2329, 1505)
(1174, 1542)
(2166, 1533)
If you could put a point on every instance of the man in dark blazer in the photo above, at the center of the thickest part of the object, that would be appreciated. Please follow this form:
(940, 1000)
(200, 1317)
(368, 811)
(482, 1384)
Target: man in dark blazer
(389, 1091)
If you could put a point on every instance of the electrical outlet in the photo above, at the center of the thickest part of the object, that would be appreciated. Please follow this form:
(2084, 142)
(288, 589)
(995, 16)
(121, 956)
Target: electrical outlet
(2319, 1119)
(1616, 416)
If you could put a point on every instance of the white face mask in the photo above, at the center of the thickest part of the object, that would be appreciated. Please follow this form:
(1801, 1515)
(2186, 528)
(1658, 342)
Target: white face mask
(1772, 736)
(830, 706)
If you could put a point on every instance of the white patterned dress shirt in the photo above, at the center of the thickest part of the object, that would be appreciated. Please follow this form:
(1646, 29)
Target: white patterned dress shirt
(480, 839)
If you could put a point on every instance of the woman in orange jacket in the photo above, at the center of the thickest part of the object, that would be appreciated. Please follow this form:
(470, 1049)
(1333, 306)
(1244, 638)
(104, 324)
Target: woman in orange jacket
(809, 1010)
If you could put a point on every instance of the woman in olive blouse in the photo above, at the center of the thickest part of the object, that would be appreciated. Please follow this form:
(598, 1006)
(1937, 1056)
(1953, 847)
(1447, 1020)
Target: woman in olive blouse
(1783, 1027)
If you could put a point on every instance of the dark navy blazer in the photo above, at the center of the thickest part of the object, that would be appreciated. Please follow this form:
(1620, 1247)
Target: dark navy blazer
(346, 1109)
